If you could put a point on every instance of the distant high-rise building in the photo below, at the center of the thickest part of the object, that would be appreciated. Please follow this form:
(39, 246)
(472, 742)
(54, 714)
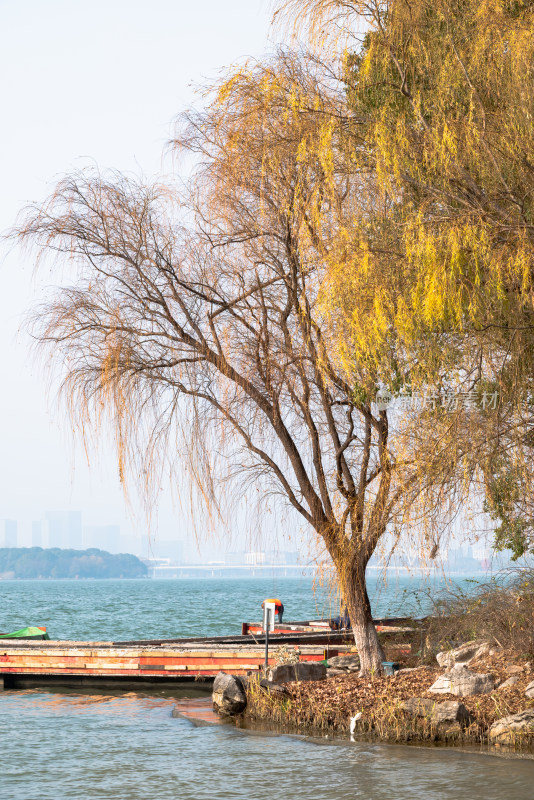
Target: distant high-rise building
(290, 557)
(279, 557)
(130, 544)
(37, 533)
(65, 529)
(8, 533)
(255, 559)
(103, 537)
(171, 549)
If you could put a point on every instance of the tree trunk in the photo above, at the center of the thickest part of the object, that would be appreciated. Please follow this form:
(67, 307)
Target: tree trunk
(355, 595)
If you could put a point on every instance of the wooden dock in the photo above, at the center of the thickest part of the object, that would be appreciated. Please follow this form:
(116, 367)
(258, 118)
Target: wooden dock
(27, 664)
(170, 662)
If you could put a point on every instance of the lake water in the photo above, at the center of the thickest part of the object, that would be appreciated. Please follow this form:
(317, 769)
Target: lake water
(127, 609)
(56, 745)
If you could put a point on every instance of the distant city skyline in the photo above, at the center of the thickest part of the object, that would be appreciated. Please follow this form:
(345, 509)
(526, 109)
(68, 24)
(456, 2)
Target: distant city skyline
(66, 529)
(170, 557)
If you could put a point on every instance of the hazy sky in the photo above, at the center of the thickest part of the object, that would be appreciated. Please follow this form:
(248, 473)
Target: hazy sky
(99, 80)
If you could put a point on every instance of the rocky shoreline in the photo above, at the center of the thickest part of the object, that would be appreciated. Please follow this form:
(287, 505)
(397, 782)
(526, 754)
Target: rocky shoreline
(474, 695)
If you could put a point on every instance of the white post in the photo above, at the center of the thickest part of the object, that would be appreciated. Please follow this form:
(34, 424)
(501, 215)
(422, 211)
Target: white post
(268, 625)
(269, 610)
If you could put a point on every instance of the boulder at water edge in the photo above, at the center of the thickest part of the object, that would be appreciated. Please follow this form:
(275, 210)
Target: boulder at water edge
(447, 712)
(228, 695)
(513, 729)
(462, 682)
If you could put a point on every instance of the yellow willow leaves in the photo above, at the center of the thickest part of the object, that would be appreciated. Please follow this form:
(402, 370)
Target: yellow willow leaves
(302, 152)
(451, 281)
(363, 329)
(443, 93)
(326, 150)
(227, 88)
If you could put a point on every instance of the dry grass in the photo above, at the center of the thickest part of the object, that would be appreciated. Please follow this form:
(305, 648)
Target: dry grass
(500, 611)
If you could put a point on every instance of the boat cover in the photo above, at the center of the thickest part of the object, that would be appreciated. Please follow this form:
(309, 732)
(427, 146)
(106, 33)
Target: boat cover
(26, 633)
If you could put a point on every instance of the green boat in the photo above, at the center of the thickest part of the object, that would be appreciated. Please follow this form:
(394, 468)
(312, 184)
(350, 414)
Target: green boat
(26, 633)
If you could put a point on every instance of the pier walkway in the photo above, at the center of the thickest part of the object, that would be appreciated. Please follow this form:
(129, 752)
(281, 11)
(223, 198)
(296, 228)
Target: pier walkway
(30, 664)
(170, 662)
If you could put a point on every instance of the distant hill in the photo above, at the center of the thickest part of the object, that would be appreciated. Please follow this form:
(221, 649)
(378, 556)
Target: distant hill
(36, 562)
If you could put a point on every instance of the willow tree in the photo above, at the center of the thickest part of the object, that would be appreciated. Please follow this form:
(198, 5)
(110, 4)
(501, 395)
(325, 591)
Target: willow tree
(203, 311)
(444, 94)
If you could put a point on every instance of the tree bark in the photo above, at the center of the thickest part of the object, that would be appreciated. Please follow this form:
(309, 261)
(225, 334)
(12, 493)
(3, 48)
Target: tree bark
(354, 591)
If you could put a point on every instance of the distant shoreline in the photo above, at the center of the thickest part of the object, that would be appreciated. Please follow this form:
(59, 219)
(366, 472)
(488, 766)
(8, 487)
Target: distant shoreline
(37, 563)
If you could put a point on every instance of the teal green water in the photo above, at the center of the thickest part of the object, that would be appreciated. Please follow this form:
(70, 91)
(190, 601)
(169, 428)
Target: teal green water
(125, 609)
(61, 746)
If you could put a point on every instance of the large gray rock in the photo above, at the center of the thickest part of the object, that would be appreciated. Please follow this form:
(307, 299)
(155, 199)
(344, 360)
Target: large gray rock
(463, 654)
(228, 695)
(350, 662)
(513, 729)
(462, 682)
(448, 712)
(303, 671)
(529, 691)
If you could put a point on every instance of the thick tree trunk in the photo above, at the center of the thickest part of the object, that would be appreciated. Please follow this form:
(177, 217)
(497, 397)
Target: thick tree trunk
(355, 595)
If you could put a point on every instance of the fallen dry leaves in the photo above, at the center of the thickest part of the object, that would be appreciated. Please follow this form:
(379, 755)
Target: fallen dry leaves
(330, 704)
